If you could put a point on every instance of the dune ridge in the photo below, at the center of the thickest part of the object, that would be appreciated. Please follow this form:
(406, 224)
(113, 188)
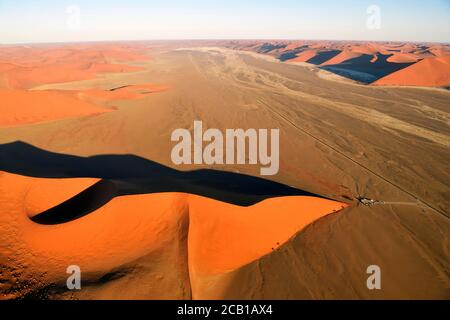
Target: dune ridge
(130, 227)
(20, 107)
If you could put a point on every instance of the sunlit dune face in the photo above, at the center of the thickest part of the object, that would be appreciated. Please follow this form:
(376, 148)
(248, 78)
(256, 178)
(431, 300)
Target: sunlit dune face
(342, 57)
(224, 237)
(121, 231)
(304, 56)
(25, 107)
(429, 72)
(220, 237)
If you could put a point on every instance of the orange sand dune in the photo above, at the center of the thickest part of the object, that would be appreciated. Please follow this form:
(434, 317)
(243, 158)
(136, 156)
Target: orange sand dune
(7, 66)
(304, 56)
(341, 57)
(221, 237)
(26, 107)
(398, 57)
(365, 49)
(126, 93)
(440, 51)
(123, 231)
(430, 72)
(224, 237)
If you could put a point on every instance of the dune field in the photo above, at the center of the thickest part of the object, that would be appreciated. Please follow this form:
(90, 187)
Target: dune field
(87, 179)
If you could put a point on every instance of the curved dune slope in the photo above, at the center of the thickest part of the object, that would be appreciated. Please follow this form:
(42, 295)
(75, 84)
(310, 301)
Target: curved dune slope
(430, 72)
(26, 78)
(136, 238)
(26, 107)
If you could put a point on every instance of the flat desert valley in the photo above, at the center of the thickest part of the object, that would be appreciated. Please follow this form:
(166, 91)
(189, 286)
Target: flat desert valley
(87, 179)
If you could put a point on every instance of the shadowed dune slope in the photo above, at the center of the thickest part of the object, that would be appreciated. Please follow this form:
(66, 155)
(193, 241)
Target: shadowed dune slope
(147, 236)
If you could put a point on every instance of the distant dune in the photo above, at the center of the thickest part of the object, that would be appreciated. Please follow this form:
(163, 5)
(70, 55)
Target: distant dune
(365, 62)
(26, 107)
(26, 67)
(342, 57)
(304, 56)
(208, 236)
(430, 72)
(237, 236)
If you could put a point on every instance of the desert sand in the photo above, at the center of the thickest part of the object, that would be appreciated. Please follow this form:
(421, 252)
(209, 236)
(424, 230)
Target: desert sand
(428, 72)
(365, 62)
(143, 228)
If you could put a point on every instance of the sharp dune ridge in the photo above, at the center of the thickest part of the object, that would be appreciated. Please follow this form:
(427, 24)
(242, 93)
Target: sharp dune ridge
(255, 230)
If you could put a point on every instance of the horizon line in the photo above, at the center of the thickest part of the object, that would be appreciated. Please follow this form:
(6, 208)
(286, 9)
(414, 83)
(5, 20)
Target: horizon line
(220, 39)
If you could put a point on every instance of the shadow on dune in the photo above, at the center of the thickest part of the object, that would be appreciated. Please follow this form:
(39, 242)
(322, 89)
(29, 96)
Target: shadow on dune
(130, 175)
(363, 70)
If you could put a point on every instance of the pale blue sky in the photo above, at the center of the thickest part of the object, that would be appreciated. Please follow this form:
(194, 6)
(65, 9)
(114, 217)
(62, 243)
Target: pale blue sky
(23, 21)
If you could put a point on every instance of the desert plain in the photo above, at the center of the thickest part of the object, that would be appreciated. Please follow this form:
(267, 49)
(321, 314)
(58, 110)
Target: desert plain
(86, 176)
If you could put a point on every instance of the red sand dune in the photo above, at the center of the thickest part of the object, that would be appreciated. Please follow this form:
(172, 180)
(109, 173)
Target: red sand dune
(365, 49)
(221, 237)
(430, 72)
(25, 78)
(398, 57)
(304, 56)
(25, 107)
(26, 67)
(224, 237)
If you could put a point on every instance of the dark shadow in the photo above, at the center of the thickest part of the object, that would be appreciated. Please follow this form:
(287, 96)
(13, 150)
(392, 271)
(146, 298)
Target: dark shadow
(131, 175)
(363, 70)
(80, 205)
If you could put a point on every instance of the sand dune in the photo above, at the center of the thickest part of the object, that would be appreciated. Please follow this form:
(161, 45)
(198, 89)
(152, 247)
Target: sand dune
(27, 107)
(133, 227)
(25, 78)
(304, 56)
(430, 72)
(102, 192)
(224, 238)
(342, 57)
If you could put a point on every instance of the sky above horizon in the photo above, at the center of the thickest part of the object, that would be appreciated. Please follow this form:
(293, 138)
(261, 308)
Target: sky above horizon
(30, 21)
